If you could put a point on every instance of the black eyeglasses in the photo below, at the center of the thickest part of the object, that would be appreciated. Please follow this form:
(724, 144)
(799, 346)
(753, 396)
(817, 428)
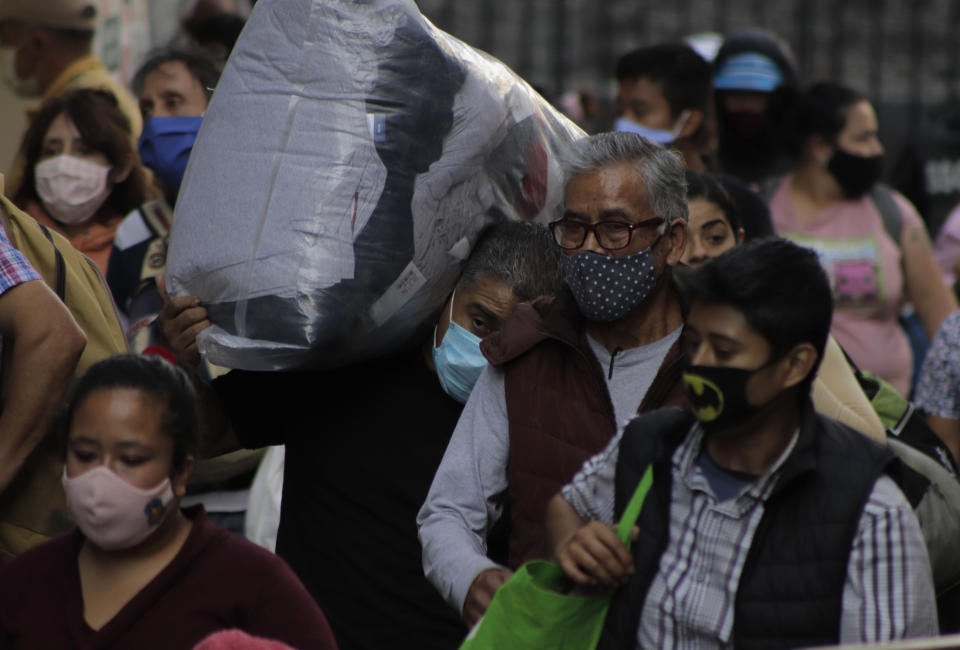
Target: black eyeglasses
(610, 235)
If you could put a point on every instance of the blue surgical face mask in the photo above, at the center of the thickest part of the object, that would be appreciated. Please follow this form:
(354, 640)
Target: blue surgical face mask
(165, 146)
(661, 137)
(657, 135)
(458, 359)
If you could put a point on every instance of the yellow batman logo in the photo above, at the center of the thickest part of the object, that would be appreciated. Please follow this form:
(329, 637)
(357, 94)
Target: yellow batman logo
(706, 399)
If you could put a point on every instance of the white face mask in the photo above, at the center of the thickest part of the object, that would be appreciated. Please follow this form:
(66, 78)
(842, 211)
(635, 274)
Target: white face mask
(25, 88)
(72, 189)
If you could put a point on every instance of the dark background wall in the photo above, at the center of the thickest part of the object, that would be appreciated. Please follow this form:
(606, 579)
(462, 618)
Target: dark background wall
(898, 51)
(905, 54)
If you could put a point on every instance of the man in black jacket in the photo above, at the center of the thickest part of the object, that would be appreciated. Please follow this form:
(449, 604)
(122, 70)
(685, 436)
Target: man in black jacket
(767, 525)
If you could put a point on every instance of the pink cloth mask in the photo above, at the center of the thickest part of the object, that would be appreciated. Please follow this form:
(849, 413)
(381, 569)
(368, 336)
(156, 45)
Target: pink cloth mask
(112, 513)
(72, 189)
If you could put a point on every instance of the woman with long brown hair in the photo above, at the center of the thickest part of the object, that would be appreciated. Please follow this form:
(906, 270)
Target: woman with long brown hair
(82, 174)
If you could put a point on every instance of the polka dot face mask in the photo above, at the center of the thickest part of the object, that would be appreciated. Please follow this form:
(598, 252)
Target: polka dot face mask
(608, 288)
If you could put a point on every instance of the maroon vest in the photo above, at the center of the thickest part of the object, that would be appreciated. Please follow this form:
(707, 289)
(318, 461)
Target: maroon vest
(558, 407)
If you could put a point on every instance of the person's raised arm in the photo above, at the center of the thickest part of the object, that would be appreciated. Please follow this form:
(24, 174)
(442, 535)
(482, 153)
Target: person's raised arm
(180, 321)
(44, 345)
(581, 535)
(590, 553)
(923, 278)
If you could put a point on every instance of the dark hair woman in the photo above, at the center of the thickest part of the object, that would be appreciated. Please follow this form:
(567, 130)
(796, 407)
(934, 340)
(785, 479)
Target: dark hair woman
(714, 225)
(139, 572)
(833, 204)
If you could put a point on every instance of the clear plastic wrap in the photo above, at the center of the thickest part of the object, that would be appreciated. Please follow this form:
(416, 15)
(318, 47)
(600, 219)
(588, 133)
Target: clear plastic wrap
(350, 157)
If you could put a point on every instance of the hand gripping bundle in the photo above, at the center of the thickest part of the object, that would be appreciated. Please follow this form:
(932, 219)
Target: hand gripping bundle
(350, 157)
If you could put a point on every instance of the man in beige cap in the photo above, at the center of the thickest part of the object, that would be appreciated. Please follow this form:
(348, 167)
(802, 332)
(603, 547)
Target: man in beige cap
(46, 50)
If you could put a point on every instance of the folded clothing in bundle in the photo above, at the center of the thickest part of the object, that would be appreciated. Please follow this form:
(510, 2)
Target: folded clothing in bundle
(350, 157)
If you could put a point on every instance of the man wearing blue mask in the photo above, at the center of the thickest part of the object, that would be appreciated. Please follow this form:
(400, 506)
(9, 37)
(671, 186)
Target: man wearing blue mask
(173, 88)
(564, 372)
(664, 95)
(767, 525)
(363, 443)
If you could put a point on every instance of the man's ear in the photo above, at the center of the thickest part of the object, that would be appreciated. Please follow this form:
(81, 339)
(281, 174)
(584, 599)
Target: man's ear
(820, 150)
(740, 235)
(676, 239)
(692, 123)
(799, 363)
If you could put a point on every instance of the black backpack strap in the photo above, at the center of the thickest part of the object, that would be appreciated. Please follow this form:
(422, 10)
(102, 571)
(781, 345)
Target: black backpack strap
(882, 197)
(61, 267)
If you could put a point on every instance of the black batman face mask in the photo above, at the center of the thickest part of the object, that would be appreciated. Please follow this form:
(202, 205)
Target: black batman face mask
(718, 396)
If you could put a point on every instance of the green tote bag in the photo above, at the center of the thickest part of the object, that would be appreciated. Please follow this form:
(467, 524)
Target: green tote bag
(538, 609)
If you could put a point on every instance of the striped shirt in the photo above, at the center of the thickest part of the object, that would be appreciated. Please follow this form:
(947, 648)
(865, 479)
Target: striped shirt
(888, 593)
(14, 267)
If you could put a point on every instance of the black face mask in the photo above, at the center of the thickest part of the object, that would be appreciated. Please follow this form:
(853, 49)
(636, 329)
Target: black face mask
(855, 174)
(718, 396)
(748, 126)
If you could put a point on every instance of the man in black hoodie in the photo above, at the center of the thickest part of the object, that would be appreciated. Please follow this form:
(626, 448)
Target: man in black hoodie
(755, 81)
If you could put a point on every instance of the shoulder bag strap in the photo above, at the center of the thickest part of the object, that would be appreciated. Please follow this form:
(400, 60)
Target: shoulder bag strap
(886, 205)
(61, 269)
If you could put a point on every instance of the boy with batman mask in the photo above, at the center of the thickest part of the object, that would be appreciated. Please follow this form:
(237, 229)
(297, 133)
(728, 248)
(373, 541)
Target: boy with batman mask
(767, 523)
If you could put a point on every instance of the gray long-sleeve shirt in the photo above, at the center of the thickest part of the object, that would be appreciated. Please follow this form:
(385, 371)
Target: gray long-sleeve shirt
(461, 506)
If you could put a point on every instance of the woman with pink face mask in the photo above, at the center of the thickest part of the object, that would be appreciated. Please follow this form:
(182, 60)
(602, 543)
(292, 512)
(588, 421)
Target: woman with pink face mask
(139, 572)
(82, 174)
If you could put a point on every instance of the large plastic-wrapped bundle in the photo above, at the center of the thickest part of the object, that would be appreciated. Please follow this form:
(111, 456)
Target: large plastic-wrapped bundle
(349, 159)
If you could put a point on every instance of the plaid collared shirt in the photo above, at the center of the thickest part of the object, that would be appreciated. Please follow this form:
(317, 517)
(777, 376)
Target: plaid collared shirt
(14, 267)
(888, 593)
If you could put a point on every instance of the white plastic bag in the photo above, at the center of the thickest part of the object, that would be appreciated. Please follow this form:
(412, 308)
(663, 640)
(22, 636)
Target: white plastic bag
(350, 156)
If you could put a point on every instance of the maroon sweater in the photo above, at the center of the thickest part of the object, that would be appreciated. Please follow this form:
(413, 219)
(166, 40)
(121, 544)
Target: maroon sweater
(218, 580)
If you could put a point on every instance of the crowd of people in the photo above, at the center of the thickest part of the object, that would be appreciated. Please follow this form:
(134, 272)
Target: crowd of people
(725, 271)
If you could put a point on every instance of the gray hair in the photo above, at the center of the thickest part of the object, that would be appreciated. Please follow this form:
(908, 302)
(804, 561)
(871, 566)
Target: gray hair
(661, 171)
(520, 254)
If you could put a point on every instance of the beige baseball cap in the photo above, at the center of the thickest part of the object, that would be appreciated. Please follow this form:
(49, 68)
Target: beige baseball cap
(58, 14)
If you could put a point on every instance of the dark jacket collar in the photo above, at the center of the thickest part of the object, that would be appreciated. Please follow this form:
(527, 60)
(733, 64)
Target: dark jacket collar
(532, 322)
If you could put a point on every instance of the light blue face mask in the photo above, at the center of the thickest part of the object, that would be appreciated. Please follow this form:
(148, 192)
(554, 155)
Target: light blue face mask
(661, 137)
(458, 359)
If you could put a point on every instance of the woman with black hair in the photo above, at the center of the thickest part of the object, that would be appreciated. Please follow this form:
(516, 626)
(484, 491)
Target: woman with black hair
(870, 239)
(714, 224)
(139, 572)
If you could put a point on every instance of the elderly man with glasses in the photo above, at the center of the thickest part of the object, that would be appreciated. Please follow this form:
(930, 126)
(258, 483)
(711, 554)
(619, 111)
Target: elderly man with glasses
(564, 373)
